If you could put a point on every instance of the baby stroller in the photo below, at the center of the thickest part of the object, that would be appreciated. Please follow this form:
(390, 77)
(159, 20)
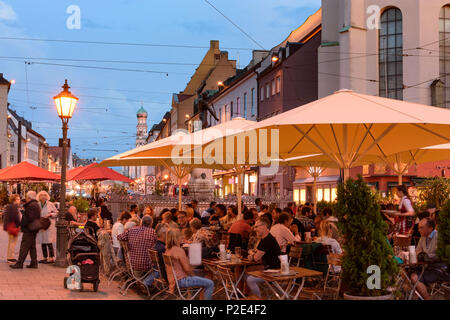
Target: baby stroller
(84, 253)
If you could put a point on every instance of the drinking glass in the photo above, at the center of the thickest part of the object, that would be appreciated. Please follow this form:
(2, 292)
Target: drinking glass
(237, 251)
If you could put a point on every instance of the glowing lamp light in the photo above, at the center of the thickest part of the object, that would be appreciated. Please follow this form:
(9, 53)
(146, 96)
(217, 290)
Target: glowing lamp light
(65, 102)
(12, 81)
(220, 83)
(166, 177)
(275, 58)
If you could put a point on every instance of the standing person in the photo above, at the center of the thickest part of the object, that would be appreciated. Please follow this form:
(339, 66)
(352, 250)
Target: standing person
(48, 210)
(11, 224)
(404, 218)
(32, 212)
(184, 274)
(105, 214)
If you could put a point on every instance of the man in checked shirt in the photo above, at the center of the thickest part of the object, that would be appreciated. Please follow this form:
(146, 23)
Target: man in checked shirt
(140, 239)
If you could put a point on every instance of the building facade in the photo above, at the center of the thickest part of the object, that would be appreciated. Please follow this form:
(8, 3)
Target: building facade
(5, 86)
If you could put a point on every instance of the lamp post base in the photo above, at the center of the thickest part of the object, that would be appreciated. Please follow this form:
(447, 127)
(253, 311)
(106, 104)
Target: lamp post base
(61, 245)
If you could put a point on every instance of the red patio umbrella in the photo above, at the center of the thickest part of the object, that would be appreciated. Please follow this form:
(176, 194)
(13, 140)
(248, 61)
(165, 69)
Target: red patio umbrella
(72, 173)
(27, 172)
(94, 173)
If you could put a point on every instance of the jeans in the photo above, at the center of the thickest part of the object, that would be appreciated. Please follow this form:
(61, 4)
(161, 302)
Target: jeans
(253, 283)
(28, 244)
(151, 277)
(207, 284)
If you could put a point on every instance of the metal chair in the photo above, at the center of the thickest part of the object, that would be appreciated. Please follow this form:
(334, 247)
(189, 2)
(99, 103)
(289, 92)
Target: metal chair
(133, 276)
(160, 282)
(119, 267)
(229, 283)
(180, 293)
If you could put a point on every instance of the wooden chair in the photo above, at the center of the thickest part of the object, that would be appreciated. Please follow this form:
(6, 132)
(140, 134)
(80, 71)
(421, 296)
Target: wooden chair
(319, 257)
(174, 289)
(332, 283)
(134, 277)
(296, 254)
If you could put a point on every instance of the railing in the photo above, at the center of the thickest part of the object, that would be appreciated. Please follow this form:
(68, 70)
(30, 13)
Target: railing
(119, 203)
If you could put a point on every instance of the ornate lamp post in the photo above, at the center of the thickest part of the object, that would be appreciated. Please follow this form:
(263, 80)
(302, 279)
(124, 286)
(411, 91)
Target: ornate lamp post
(65, 105)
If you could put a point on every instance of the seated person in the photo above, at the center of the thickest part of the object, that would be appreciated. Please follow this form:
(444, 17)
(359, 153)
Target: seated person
(72, 217)
(243, 226)
(428, 245)
(167, 218)
(325, 237)
(202, 235)
(214, 221)
(187, 235)
(140, 239)
(282, 233)
(183, 271)
(230, 218)
(91, 224)
(118, 228)
(182, 220)
(160, 247)
(208, 212)
(267, 253)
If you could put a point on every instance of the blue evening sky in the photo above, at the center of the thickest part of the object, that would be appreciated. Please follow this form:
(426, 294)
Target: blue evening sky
(105, 119)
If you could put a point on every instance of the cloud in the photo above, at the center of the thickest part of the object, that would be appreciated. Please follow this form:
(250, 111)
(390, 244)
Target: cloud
(7, 12)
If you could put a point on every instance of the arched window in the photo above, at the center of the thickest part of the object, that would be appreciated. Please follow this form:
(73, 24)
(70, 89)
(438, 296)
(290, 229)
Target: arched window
(391, 50)
(444, 56)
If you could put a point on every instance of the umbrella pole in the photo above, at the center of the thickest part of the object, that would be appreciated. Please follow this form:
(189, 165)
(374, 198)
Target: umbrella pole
(346, 173)
(179, 193)
(400, 179)
(315, 193)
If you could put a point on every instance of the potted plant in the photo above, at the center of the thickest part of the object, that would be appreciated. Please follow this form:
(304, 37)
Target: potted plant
(434, 190)
(443, 250)
(365, 243)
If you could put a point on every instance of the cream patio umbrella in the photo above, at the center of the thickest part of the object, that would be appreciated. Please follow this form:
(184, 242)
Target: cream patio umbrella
(181, 152)
(347, 127)
(400, 162)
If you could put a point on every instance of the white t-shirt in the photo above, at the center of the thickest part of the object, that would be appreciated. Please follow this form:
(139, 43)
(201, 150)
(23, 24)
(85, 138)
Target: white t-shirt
(335, 248)
(283, 235)
(117, 229)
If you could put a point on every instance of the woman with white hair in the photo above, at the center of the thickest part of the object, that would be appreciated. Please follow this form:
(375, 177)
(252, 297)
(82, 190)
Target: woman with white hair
(45, 237)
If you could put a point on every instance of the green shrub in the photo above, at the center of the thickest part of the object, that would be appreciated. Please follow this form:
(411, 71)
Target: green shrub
(444, 233)
(434, 190)
(365, 238)
(81, 204)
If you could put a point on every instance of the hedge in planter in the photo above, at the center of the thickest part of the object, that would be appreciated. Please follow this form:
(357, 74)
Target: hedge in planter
(444, 233)
(364, 233)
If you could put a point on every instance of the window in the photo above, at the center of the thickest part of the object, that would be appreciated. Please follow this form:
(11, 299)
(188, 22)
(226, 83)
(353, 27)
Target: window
(238, 106)
(391, 50)
(11, 144)
(273, 87)
(267, 90)
(444, 48)
(261, 94)
(245, 106)
(278, 86)
(220, 115)
(11, 157)
(231, 111)
(253, 102)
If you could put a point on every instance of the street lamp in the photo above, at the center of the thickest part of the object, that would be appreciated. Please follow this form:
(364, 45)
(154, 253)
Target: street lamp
(65, 105)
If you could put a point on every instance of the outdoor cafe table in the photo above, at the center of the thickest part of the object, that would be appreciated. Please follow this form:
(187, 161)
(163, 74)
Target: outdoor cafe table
(239, 267)
(276, 280)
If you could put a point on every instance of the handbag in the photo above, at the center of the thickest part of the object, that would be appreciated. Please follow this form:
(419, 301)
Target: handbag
(39, 224)
(12, 229)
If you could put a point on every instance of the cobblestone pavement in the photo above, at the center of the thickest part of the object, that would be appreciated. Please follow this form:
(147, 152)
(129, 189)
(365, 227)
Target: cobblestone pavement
(46, 282)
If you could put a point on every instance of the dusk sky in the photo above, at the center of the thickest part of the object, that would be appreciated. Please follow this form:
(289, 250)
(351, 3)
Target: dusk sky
(104, 122)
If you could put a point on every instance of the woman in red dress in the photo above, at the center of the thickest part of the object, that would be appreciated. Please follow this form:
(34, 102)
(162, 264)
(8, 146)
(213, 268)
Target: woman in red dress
(404, 219)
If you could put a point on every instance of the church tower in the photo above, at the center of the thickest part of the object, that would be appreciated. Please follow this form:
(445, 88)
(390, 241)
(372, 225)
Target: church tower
(141, 127)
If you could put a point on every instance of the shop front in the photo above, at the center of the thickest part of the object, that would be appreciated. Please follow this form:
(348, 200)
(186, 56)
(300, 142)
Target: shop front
(326, 189)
